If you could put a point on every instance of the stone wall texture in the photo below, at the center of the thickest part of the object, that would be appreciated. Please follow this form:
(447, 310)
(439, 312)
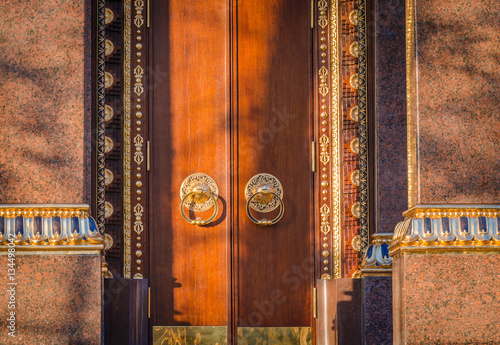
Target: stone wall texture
(447, 299)
(57, 299)
(44, 103)
(458, 98)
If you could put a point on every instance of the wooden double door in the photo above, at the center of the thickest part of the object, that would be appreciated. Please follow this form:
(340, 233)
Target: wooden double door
(237, 102)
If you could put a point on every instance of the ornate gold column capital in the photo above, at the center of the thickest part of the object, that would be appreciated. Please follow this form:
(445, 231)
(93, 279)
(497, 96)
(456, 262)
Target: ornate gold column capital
(377, 261)
(434, 229)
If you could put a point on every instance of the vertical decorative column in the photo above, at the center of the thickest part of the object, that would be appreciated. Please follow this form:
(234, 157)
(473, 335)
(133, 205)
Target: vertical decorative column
(447, 250)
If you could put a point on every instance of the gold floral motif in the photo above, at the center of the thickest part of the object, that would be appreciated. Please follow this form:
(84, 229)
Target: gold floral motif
(108, 144)
(108, 113)
(323, 11)
(109, 48)
(353, 17)
(108, 16)
(356, 209)
(324, 156)
(335, 147)
(138, 87)
(108, 177)
(355, 178)
(138, 276)
(139, 7)
(108, 80)
(354, 81)
(353, 49)
(355, 145)
(325, 219)
(108, 242)
(326, 276)
(109, 210)
(323, 83)
(354, 113)
(138, 155)
(138, 225)
(356, 243)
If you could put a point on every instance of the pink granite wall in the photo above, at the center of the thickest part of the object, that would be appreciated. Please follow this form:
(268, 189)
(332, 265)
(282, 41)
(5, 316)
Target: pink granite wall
(447, 299)
(458, 100)
(57, 300)
(44, 103)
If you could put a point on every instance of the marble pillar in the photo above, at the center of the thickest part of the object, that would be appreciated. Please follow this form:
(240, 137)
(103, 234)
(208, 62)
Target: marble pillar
(446, 252)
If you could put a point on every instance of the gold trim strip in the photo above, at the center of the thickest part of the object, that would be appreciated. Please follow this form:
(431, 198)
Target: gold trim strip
(336, 153)
(189, 335)
(275, 335)
(63, 250)
(411, 104)
(448, 210)
(126, 140)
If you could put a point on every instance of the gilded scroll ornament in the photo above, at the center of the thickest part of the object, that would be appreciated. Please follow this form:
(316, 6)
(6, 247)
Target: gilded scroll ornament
(325, 219)
(323, 13)
(138, 213)
(336, 157)
(139, 18)
(127, 141)
(138, 87)
(138, 155)
(108, 242)
(323, 81)
(324, 155)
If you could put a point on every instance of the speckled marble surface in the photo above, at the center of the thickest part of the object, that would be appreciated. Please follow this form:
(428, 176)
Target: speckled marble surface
(390, 106)
(458, 100)
(447, 299)
(43, 106)
(58, 300)
(377, 310)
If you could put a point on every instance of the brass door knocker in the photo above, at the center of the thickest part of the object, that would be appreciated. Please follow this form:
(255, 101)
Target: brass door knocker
(264, 194)
(199, 193)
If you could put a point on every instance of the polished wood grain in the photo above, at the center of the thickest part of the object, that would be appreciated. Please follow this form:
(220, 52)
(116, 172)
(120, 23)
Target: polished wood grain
(275, 265)
(190, 113)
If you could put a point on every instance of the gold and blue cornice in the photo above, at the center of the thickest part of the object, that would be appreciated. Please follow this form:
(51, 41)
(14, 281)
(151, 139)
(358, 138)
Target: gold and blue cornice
(50, 226)
(445, 228)
(376, 261)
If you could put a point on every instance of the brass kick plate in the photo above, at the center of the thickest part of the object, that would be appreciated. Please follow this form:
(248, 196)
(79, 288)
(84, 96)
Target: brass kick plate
(189, 335)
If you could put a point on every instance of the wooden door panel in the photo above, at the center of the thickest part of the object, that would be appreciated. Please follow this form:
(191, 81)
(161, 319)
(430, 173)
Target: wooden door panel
(273, 135)
(190, 133)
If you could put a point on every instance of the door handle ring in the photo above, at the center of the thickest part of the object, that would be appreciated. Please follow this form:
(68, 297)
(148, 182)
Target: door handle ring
(198, 221)
(199, 193)
(264, 221)
(264, 193)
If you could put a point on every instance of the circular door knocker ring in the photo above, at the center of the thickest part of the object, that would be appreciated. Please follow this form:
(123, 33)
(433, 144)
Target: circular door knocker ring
(199, 193)
(264, 221)
(264, 194)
